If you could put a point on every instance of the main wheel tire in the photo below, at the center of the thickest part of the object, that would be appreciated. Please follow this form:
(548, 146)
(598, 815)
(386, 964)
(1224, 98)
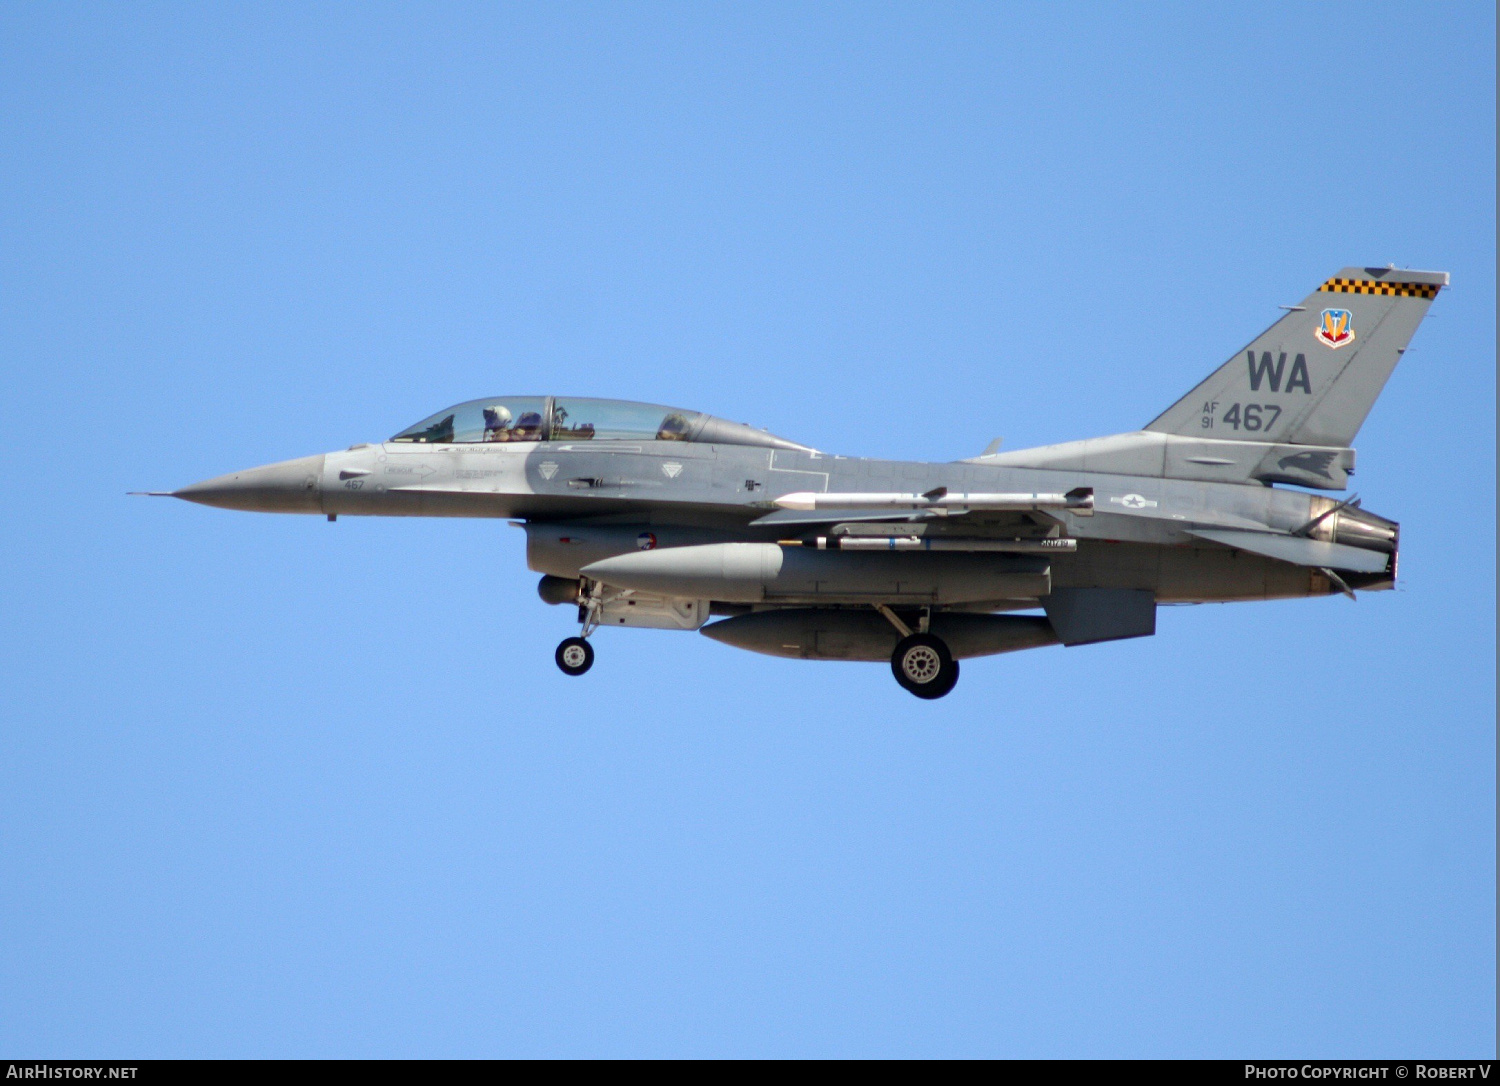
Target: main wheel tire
(945, 685)
(575, 656)
(923, 665)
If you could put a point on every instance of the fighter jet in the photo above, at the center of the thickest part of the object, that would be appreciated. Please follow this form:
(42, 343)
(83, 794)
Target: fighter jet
(639, 515)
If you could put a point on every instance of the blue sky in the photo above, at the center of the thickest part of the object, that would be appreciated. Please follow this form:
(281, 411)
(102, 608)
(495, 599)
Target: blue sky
(275, 787)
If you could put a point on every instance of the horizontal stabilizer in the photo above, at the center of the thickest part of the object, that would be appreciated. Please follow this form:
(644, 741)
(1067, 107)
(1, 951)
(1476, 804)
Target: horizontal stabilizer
(1298, 550)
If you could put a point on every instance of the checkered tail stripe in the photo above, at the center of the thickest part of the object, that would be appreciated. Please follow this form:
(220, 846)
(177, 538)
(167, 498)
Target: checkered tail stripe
(1372, 286)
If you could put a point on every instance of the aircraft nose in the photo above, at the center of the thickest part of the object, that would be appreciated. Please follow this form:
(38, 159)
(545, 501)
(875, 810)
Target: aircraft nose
(292, 486)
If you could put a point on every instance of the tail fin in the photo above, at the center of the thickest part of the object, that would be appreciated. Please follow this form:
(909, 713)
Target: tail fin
(1312, 377)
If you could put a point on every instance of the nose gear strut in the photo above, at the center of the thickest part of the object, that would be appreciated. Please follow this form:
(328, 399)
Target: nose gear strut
(575, 655)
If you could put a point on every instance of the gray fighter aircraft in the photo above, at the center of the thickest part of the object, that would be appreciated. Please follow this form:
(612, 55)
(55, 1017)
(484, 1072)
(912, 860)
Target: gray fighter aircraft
(640, 515)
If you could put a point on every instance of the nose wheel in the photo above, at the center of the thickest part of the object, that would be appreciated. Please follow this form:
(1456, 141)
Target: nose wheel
(575, 656)
(923, 665)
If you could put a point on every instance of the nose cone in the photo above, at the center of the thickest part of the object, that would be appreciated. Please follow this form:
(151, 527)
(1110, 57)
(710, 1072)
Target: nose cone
(292, 486)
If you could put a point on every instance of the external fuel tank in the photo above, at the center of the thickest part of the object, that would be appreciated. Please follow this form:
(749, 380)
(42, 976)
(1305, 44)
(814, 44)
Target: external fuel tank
(769, 572)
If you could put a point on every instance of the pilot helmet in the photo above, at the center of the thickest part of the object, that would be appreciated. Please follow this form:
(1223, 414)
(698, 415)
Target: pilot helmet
(496, 416)
(673, 428)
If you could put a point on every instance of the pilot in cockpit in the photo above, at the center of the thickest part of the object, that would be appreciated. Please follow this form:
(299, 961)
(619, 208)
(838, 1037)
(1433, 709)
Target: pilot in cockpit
(497, 422)
(528, 427)
(673, 428)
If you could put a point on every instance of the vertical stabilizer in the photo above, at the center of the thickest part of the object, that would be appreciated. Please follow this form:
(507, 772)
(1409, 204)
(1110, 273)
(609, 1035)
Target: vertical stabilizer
(1312, 377)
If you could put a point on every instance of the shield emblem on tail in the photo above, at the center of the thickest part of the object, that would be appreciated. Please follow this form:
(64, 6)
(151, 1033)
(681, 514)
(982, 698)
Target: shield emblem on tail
(1336, 328)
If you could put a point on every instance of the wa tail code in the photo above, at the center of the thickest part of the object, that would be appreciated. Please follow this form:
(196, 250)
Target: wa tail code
(1270, 372)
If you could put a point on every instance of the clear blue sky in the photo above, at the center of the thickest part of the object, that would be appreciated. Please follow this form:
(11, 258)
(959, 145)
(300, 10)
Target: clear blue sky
(273, 786)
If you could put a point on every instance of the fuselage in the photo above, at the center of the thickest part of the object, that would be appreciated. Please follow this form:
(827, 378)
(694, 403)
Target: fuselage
(692, 493)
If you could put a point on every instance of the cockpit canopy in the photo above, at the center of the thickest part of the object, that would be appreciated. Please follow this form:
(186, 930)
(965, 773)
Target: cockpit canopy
(570, 418)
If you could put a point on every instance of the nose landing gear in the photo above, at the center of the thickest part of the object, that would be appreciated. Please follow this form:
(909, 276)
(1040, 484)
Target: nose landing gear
(575, 655)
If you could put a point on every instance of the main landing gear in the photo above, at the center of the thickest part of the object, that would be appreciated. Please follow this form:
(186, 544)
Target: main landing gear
(923, 665)
(922, 662)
